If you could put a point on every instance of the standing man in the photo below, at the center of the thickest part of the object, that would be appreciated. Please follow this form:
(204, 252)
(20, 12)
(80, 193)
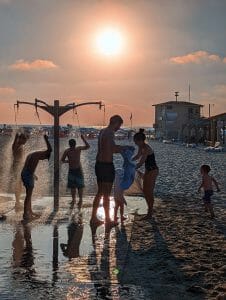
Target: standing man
(104, 168)
(72, 156)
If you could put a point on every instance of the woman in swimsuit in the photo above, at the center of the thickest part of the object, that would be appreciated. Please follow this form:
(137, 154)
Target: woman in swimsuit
(146, 156)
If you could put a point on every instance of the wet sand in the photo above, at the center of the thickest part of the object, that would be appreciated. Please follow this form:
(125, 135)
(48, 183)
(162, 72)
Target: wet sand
(179, 254)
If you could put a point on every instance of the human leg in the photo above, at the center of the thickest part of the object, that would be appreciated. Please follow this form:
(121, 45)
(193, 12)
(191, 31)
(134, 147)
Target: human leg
(123, 218)
(107, 187)
(27, 203)
(96, 203)
(210, 206)
(73, 195)
(148, 189)
(116, 211)
(80, 195)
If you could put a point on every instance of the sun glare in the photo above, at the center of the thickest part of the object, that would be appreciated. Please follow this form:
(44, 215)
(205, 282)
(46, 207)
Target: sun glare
(109, 42)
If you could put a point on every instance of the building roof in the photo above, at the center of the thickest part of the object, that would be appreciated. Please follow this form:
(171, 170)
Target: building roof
(220, 116)
(178, 103)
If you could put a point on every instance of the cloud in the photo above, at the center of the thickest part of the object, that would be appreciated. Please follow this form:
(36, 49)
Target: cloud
(38, 64)
(7, 91)
(197, 57)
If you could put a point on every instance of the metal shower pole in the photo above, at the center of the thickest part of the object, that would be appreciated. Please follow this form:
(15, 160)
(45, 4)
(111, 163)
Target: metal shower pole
(56, 111)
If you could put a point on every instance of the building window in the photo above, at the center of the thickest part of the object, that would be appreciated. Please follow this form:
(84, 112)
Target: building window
(190, 111)
(169, 107)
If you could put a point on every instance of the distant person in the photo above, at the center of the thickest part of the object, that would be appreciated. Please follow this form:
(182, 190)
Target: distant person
(146, 157)
(104, 168)
(28, 176)
(207, 186)
(72, 156)
(18, 155)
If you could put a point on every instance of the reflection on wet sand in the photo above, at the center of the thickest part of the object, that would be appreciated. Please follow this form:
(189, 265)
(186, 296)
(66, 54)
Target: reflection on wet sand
(23, 251)
(99, 267)
(75, 233)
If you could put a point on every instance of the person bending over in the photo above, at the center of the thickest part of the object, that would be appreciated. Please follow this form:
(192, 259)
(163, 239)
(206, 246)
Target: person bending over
(28, 176)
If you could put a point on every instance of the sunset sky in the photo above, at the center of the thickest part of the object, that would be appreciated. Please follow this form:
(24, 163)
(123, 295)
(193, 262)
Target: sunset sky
(54, 50)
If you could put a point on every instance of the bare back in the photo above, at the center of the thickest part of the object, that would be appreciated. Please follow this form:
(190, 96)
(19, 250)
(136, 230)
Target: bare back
(33, 159)
(73, 155)
(207, 181)
(106, 145)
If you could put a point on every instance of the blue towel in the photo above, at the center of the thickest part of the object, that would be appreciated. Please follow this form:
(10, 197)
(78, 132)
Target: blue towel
(129, 168)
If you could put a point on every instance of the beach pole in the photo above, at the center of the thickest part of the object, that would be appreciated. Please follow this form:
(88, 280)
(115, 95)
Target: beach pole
(56, 155)
(56, 111)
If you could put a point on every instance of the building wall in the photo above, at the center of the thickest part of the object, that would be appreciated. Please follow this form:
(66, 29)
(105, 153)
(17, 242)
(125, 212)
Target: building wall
(171, 119)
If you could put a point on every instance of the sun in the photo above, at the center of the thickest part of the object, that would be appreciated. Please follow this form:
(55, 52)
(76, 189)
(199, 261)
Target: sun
(109, 42)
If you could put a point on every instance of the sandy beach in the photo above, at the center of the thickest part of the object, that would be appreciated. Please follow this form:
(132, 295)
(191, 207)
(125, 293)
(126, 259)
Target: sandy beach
(179, 254)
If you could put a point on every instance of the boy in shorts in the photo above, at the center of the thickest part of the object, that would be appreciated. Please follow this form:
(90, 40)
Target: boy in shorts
(207, 185)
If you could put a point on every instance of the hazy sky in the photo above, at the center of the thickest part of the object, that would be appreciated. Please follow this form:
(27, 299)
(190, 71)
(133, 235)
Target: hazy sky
(48, 51)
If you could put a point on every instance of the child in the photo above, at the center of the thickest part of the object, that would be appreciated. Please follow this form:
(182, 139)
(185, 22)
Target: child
(75, 174)
(207, 185)
(28, 176)
(119, 196)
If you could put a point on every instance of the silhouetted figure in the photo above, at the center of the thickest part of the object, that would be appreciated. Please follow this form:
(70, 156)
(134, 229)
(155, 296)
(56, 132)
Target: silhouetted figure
(18, 154)
(207, 186)
(28, 176)
(146, 156)
(104, 168)
(75, 174)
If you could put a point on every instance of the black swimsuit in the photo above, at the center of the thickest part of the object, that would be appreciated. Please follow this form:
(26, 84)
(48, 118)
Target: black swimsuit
(150, 163)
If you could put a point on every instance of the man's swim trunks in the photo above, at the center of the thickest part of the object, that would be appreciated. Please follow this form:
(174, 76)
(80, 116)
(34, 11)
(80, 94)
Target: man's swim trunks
(27, 178)
(75, 179)
(207, 196)
(105, 172)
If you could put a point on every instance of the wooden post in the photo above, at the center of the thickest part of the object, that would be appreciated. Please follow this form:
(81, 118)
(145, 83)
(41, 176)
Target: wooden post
(56, 155)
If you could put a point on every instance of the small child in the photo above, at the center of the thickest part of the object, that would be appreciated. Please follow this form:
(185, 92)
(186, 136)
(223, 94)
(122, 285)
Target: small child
(119, 196)
(207, 185)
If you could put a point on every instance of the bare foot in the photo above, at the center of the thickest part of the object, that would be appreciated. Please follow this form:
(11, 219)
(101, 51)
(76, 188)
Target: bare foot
(96, 222)
(123, 218)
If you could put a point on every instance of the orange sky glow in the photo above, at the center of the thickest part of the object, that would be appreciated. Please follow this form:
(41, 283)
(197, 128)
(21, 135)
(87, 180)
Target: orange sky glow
(130, 55)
